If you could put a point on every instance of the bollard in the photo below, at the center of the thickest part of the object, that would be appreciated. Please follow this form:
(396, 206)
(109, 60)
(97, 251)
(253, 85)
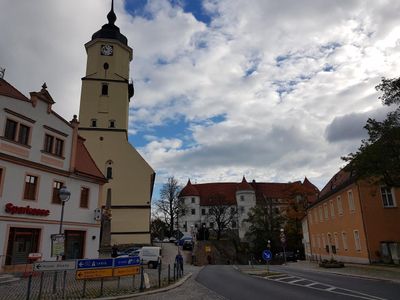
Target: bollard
(41, 285)
(169, 273)
(133, 283)
(118, 282)
(28, 294)
(64, 282)
(174, 271)
(55, 282)
(141, 279)
(159, 274)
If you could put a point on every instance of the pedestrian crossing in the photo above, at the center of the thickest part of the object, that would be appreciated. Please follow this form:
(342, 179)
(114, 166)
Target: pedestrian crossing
(307, 283)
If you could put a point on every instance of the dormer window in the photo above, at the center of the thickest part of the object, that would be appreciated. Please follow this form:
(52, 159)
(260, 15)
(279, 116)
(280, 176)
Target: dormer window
(104, 89)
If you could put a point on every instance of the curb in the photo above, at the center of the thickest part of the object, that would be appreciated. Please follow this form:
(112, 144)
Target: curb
(156, 291)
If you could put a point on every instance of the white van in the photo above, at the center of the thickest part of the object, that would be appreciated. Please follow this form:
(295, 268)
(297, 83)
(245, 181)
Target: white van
(150, 256)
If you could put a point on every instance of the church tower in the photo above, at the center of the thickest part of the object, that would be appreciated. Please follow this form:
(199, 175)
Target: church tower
(103, 117)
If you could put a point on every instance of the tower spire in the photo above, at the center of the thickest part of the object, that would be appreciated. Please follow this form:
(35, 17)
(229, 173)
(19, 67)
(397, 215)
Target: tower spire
(111, 15)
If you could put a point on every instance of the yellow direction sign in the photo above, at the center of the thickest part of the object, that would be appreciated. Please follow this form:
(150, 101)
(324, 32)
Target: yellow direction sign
(208, 249)
(126, 271)
(94, 273)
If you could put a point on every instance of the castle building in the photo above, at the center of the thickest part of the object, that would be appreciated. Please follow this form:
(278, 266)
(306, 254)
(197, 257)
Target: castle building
(39, 153)
(103, 115)
(198, 199)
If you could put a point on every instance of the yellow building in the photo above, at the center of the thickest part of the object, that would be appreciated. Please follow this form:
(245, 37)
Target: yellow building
(355, 220)
(103, 117)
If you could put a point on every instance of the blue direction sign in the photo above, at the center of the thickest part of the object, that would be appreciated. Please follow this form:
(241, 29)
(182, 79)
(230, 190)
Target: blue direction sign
(267, 255)
(94, 263)
(127, 261)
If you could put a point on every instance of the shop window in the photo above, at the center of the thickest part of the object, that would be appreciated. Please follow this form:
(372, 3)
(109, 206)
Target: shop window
(17, 132)
(31, 183)
(21, 242)
(53, 145)
(56, 189)
(84, 202)
(387, 197)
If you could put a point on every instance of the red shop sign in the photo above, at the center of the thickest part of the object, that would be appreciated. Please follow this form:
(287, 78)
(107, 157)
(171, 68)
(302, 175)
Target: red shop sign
(27, 210)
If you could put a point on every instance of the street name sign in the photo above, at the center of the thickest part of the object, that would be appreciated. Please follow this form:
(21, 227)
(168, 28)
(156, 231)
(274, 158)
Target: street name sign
(94, 273)
(94, 263)
(126, 261)
(125, 271)
(54, 265)
(267, 255)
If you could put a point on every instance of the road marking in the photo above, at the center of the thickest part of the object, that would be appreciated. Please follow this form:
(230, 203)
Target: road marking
(323, 287)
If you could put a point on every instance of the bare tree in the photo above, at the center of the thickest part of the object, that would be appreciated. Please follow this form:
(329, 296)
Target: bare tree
(221, 213)
(169, 206)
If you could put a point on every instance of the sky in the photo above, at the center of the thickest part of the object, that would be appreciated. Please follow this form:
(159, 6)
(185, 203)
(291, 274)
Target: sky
(271, 90)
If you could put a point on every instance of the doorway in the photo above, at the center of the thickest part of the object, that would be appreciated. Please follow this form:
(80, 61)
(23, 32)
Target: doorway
(74, 244)
(21, 242)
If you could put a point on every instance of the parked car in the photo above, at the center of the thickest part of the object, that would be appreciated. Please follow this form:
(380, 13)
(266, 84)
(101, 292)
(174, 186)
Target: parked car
(187, 245)
(156, 240)
(128, 251)
(165, 240)
(182, 240)
(172, 239)
(289, 255)
(150, 256)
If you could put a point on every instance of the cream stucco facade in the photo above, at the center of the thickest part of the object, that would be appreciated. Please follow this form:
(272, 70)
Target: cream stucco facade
(103, 116)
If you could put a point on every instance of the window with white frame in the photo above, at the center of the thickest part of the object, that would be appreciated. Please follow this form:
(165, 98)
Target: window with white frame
(350, 200)
(332, 206)
(387, 197)
(357, 243)
(326, 211)
(320, 213)
(344, 240)
(193, 200)
(193, 211)
(17, 132)
(339, 205)
(336, 238)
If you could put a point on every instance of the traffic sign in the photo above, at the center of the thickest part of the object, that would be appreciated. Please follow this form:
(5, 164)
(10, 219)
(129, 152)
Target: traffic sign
(126, 271)
(94, 273)
(126, 261)
(54, 265)
(267, 255)
(94, 263)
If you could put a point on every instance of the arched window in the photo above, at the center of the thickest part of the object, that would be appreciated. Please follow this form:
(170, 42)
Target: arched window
(104, 89)
(109, 169)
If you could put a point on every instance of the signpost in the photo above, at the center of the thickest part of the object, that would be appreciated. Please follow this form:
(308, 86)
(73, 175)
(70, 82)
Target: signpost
(267, 256)
(57, 245)
(94, 273)
(42, 266)
(126, 261)
(94, 263)
(125, 271)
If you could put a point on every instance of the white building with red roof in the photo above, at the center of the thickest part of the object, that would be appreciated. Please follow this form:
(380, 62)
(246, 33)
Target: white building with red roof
(241, 196)
(39, 153)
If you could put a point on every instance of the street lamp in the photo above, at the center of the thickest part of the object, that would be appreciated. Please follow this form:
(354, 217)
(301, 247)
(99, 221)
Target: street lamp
(64, 195)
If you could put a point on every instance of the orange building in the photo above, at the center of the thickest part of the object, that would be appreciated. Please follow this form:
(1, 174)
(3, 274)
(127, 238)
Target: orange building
(354, 220)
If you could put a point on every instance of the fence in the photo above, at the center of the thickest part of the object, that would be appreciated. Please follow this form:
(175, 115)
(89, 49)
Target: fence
(42, 285)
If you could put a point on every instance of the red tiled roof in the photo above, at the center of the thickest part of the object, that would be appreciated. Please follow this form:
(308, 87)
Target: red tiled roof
(84, 162)
(339, 179)
(227, 190)
(8, 90)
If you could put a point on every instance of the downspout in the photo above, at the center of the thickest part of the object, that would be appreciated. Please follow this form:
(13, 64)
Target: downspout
(363, 220)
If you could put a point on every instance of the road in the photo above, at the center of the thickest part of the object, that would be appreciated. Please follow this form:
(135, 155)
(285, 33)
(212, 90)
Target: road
(294, 284)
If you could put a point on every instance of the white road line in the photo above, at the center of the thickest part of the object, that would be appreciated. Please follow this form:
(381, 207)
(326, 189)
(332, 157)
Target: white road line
(297, 280)
(310, 284)
(279, 279)
(331, 289)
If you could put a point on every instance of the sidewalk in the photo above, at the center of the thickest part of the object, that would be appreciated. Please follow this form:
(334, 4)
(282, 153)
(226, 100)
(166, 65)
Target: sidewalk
(391, 273)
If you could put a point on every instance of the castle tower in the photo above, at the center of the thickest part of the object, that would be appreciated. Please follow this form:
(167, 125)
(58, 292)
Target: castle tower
(103, 117)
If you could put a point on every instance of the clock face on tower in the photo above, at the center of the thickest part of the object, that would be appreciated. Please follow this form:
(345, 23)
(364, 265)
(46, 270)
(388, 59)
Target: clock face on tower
(106, 50)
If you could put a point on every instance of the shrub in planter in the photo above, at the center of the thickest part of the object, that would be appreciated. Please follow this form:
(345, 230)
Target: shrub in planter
(331, 264)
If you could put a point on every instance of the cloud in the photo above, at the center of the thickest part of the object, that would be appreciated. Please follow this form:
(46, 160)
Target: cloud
(275, 90)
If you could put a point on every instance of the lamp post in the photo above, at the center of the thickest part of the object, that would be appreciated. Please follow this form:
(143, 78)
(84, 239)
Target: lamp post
(283, 241)
(64, 194)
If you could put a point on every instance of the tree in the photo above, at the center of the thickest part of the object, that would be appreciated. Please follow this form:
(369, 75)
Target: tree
(158, 228)
(169, 206)
(265, 223)
(378, 157)
(221, 213)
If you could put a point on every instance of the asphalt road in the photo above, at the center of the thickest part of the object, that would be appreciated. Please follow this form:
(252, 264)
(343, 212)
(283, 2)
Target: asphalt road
(232, 284)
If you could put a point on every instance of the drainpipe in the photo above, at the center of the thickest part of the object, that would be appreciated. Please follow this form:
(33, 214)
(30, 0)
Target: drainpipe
(363, 220)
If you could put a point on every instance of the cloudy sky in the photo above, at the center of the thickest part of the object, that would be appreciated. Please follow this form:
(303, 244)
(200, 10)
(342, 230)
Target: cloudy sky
(273, 90)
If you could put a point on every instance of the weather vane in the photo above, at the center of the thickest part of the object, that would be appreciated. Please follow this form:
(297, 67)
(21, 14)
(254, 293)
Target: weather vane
(2, 71)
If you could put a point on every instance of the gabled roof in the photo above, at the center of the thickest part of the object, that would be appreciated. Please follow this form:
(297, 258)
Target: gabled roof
(208, 191)
(85, 164)
(8, 90)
